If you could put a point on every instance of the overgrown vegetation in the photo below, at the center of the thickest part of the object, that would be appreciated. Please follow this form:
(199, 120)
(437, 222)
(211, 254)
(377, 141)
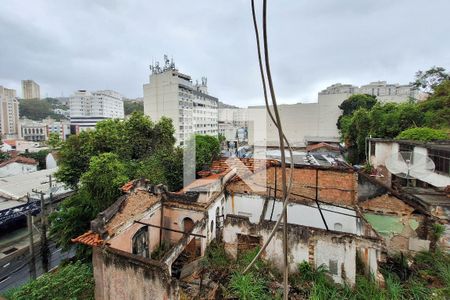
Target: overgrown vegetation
(423, 134)
(97, 163)
(425, 276)
(362, 116)
(72, 281)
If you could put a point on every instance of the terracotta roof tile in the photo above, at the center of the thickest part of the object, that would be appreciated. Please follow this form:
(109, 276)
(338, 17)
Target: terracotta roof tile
(89, 238)
(19, 159)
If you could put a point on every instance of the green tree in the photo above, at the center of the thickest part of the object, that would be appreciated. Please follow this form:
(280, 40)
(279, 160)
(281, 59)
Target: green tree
(39, 156)
(133, 106)
(207, 149)
(74, 156)
(54, 140)
(38, 109)
(164, 167)
(436, 108)
(427, 81)
(353, 103)
(423, 134)
(72, 219)
(99, 188)
(103, 179)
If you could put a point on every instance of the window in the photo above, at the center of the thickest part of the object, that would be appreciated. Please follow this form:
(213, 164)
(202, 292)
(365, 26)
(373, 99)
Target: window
(441, 159)
(333, 267)
(140, 242)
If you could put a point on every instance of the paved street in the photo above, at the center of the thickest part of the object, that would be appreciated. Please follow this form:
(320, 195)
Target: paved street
(17, 271)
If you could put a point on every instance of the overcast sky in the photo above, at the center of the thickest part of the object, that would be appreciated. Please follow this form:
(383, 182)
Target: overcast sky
(108, 44)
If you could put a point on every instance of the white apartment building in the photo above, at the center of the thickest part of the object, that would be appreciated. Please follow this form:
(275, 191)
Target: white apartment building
(30, 90)
(304, 123)
(9, 113)
(231, 119)
(86, 108)
(172, 94)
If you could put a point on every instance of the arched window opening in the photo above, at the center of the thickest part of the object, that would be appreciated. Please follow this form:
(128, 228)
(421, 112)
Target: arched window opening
(188, 224)
(140, 242)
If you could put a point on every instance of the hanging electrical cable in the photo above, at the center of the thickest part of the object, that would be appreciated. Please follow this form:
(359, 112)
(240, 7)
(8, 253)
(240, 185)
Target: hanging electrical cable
(282, 138)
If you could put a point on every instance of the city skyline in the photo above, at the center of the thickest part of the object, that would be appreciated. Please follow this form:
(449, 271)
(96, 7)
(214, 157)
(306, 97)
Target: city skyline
(351, 45)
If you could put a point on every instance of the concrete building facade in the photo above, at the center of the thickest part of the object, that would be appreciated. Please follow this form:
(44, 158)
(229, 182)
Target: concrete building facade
(86, 108)
(304, 123)
(172, 94)
(30, 90)
(9, 113)
(38, 131)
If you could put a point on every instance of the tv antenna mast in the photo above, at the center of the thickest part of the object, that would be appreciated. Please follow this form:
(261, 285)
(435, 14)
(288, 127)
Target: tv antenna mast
(410, 165)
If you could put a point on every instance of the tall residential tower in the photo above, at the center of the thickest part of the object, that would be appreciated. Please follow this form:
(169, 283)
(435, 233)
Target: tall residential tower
(30, 90)
(172, 94)
(9, 113)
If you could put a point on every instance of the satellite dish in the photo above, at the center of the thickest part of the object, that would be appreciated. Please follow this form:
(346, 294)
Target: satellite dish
(410, 165)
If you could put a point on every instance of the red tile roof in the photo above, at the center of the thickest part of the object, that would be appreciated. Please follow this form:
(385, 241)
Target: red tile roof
(10, 142)
(20, 160)
(322, 145)
(89, 238)
(127, 186)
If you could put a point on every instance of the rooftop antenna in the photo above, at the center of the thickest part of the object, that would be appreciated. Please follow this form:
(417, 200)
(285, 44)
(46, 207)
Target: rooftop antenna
(410, 165)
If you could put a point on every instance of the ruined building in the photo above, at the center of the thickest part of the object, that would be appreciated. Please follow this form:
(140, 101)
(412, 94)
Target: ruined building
(150, 241)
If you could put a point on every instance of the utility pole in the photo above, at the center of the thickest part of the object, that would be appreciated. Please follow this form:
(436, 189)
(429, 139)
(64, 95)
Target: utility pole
(30, 235)
(44, 244)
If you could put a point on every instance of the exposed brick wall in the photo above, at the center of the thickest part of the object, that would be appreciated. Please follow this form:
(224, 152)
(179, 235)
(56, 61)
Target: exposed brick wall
(387, 204)
(336, 187)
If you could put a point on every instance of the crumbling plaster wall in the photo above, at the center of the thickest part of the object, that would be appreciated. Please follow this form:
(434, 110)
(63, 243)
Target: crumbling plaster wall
(305, 244)
(120, 275)
(251, 206)
(173, 218)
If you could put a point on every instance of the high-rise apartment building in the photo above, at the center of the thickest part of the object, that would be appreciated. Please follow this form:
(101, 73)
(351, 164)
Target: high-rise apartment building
(9, 113)
(172, 94)
(30, 90)
(86, 108)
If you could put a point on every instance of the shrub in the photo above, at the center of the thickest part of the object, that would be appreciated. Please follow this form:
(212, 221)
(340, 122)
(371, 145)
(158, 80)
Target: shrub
(73, 281)
(247, 286)
(423, 134)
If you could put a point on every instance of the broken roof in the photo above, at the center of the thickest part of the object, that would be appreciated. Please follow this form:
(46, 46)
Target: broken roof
(19, 160)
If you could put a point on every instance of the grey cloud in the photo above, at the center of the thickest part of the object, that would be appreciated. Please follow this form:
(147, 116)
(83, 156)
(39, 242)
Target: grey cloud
(69, 45)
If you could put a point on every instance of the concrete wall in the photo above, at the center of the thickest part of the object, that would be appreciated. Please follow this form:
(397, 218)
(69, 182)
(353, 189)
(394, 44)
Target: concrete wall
(17, 169)
(251, 206)
(305, 244)
(120, 275)
(173, 218)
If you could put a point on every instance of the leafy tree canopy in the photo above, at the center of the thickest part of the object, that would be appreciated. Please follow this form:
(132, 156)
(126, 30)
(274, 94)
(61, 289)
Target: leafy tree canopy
(389, 120)
(423, 134)
(133, 106)
(207, 149)
(134, 139)
(353, 103)
(427, 81)
(39, 109)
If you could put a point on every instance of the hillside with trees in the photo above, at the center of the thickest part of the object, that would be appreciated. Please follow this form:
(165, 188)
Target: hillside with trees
(363, 116)
(40, 109)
